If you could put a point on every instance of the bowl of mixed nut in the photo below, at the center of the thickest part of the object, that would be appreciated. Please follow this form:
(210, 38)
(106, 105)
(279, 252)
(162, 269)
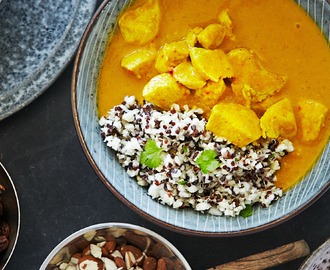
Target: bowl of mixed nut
(9, 217)
(114, 246)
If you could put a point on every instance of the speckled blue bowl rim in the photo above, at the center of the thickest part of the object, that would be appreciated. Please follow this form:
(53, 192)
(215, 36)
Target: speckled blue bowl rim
(57, 59)
(103, 161)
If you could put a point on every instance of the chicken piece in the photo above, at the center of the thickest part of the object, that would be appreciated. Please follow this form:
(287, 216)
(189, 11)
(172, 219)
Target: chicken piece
(141, 25)
(311, 116)
(170, 55)
(234, 122)
(191, 37)
(187, 75)
(212, 35)
(163, 91)
(211, 64)
(279, 120)
(208, 96)
(251, 80)
(139, 62)
(224, 18)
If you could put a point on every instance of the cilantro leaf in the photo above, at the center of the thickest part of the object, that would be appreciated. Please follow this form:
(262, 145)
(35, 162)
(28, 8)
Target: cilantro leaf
(182, 182)
(247, 211)
(207, 161)
(151, 156)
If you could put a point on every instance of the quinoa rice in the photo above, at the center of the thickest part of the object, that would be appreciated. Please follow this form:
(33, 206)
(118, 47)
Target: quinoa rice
(243, 177)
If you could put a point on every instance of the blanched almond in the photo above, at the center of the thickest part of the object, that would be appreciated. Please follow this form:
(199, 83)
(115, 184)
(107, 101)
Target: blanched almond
(96, 251)
(89, 262)
(134, 250)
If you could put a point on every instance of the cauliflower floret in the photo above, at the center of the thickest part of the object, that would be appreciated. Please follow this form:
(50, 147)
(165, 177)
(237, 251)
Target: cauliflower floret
(141, 25)
(139, 62)
(311, 116)
(211, 64)
(171, 54)
(279, 120)
(235, 122)
(187, 75)
(163, 90)
(251, 80)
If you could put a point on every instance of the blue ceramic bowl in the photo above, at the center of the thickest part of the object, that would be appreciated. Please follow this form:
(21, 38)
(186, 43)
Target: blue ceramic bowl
(84, 102)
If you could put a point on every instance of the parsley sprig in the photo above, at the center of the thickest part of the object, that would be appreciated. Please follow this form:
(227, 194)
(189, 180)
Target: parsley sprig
(152, 155)
(207, 161)
(247, 211)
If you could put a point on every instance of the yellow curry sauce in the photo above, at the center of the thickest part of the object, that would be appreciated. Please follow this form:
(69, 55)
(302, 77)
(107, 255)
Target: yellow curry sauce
(283, 36)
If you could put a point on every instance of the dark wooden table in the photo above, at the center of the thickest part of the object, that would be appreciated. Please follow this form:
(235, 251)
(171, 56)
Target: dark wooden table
(59, 193)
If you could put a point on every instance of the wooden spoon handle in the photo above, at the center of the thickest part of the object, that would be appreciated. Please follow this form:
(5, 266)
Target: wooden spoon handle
(268, 258)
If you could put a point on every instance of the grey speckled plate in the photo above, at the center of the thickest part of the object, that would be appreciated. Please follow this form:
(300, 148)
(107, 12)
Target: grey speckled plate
(84, 102)
(319, 260)
(38, 39)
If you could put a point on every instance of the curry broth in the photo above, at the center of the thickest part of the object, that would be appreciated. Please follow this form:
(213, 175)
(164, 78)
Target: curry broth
(283, 36)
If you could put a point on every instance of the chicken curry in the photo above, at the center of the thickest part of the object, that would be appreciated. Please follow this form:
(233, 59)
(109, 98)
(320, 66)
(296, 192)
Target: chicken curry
(256, 68)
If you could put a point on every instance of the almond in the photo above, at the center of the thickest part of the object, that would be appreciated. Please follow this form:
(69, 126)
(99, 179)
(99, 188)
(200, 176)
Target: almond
(110, 246)
(115, 254)
(86, 251)
(159, 250)
(149, 263)
(120, 262)
(161, 264)
(105, 252)
(89, 262)
(134, 250)
(141, 241)
(75, 257)
(129, 259)
(96, 251)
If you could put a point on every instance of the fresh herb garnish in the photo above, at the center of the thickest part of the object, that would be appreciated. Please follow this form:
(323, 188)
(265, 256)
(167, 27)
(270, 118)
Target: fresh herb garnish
(151, 156)
(182, 182)
(185, 149)
(207, 161)
(247, 211)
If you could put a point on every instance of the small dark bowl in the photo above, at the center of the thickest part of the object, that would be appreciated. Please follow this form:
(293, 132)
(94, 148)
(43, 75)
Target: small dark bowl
(11, 214)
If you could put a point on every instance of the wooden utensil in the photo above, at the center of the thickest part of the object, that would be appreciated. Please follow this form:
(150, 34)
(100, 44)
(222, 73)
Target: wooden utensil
(269, 258)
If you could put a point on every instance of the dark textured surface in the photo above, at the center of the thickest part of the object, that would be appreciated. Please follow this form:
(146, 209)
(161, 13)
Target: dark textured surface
(60, 193)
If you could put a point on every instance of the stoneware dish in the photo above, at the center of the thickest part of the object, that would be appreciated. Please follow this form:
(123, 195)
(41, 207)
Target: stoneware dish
(38, 39)
(11, 214)
(146, 240)
(84, 102)
(319, 259)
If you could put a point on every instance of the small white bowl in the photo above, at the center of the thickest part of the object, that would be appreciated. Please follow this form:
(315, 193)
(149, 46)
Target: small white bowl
(77, 241)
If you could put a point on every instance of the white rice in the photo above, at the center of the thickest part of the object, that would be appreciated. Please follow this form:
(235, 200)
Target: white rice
(246, 175)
